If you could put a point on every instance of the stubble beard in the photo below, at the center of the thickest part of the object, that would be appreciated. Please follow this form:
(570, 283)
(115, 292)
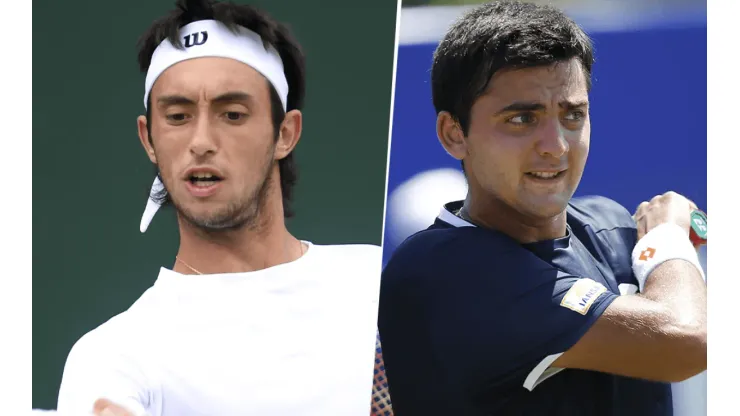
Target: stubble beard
(246, 212)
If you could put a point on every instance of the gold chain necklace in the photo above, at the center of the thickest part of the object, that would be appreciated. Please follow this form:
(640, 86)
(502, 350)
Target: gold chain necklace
(187, 265)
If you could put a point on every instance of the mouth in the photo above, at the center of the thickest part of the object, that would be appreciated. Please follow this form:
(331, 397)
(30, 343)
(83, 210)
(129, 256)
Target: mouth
(546, 175)
(203, 179)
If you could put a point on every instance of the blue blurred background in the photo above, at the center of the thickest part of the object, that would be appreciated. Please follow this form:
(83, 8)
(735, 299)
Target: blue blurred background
(648, 111)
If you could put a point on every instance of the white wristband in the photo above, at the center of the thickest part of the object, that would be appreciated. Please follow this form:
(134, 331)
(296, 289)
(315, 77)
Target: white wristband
(665, 242)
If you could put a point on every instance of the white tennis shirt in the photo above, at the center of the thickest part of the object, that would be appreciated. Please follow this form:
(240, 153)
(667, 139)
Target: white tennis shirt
(294, 339)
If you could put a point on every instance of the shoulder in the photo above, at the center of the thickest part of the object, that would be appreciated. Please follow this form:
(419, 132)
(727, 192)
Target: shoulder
(600, 213)
(118, 335)
(107, 340)
(462, 247)
(361, 250)
(349, 272)
(442, 257)
(96, 354)
(360, 261)
(349, 253)
(442, 239)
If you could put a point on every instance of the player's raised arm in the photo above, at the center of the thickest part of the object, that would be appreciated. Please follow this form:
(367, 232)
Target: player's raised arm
(661, 333)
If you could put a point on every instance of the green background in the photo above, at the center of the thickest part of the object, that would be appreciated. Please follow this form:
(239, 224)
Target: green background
(91, 176)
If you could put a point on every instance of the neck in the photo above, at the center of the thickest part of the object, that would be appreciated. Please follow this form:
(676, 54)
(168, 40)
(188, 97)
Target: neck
(490, 212)
(267, 244)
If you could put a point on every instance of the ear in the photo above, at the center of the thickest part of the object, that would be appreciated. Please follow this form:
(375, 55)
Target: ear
(289, 134)
(145, 139)
(451, 136)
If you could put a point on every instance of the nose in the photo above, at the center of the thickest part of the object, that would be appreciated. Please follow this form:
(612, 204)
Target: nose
(204, 139)
(552, 141)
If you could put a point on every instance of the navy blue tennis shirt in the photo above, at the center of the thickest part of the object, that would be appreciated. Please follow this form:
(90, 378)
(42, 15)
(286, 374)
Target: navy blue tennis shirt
(470, 319)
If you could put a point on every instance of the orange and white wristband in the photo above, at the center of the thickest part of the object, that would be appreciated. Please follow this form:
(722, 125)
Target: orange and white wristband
(665, 242)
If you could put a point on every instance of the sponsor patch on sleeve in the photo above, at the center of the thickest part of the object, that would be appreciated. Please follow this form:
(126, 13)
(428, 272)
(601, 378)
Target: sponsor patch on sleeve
(582, 295)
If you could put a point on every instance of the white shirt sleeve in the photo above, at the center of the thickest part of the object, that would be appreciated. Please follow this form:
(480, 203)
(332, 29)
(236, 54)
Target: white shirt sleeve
(96, 369)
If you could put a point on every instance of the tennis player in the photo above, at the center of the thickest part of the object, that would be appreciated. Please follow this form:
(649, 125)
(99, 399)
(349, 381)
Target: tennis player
(520, 300)
(250, 320)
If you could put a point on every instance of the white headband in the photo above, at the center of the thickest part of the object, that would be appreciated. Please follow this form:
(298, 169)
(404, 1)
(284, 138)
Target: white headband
(210, 38)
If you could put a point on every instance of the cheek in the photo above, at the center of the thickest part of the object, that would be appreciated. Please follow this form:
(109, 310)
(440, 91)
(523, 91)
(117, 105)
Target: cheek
(254, 145)
(169, 155)
(251, 153)
(579, 147)
(584, 140)
(498, 158)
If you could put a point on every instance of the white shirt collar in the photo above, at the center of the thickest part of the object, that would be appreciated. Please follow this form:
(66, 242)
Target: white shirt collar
(450, 218)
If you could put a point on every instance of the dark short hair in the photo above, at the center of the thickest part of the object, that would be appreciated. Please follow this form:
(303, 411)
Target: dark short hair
(496, 36)
(272, 33)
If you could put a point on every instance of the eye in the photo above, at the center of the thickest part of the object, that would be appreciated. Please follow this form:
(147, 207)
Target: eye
(575, 115)
(522, 119)
(234, 115)
(177, 117)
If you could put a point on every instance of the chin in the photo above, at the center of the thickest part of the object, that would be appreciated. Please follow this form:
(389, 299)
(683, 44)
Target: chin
(215, 222)
(205, 215)
(221, 217)
(548, 207)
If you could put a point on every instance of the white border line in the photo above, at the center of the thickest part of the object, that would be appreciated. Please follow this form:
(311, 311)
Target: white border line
(723, 148)
(15, 209)
(390, 121)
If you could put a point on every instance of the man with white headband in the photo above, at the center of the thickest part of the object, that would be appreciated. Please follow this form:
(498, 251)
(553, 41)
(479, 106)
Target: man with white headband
(250, 320)
(521, 300)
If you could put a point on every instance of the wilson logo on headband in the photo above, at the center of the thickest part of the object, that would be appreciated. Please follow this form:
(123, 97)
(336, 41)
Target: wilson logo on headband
(196, 39)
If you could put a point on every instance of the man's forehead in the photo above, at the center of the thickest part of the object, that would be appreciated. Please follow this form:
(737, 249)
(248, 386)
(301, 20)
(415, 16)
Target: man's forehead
(566, 80)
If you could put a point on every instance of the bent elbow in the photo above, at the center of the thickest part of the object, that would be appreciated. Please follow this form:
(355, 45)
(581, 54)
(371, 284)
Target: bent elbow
(691, 343)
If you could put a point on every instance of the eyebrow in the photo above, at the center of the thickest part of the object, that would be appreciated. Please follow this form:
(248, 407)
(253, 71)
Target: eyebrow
(167, 100)
(228, 97)
(532, 106)
(232, 96)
